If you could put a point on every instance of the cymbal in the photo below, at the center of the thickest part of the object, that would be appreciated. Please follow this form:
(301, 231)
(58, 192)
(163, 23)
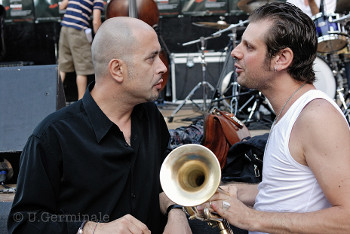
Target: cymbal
(249, 6)
(342, 6)
(217, 25)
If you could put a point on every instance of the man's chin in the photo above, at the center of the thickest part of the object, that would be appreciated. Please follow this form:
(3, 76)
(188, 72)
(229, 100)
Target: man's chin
(240, 81)
(153, 97)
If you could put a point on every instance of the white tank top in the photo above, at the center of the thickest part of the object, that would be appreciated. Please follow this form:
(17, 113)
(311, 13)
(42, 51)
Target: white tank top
(287, 185)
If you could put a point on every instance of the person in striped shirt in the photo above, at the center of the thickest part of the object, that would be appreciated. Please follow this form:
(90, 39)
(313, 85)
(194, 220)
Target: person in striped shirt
(75, 39)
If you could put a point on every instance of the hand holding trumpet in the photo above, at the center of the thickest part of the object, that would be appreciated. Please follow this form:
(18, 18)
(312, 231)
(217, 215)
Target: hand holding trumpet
(228, 205)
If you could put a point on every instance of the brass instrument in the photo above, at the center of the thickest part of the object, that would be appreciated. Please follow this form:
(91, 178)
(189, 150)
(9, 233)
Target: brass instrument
(189, 176)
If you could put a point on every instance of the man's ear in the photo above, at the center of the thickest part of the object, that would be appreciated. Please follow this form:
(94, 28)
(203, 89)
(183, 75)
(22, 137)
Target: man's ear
(116, 68)
(283, 59)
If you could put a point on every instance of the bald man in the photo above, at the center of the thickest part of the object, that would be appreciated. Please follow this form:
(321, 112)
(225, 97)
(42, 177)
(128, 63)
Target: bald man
(93, 167)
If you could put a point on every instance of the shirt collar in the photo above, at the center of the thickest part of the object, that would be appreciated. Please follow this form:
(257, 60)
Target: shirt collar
(99, 121)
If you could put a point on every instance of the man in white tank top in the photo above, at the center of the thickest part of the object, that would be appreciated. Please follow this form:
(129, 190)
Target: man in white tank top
(305, 185)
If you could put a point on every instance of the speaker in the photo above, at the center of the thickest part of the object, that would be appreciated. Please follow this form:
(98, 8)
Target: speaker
(27, 95)
(5, 208)
(187, 72)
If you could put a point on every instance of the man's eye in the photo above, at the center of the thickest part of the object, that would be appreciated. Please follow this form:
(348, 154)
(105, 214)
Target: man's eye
(151, 58)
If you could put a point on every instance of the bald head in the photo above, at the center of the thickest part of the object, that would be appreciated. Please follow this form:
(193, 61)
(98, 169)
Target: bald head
(116, 39)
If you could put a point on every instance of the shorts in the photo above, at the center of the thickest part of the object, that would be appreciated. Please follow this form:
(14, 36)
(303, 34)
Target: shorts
(74, 52)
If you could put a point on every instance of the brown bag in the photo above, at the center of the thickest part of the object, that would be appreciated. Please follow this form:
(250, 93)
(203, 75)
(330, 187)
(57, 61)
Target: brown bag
(222, 130)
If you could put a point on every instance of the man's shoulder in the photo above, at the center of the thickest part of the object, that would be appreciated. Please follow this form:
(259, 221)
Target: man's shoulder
(68, 113)
(319, 109)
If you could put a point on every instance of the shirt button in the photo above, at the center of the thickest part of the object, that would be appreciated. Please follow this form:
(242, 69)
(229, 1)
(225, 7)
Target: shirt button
(133, 195)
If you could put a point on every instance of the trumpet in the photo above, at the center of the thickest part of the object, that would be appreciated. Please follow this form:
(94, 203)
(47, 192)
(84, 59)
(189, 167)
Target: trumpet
(190, 175)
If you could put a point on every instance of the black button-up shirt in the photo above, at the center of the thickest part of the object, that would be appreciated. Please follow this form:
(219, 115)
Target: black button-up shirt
(77, 166)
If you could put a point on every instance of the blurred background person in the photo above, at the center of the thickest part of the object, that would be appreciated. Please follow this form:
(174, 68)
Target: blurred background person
(75, 39)
(312, 7)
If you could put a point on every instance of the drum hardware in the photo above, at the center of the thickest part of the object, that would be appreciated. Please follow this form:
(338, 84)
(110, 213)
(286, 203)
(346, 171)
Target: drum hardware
(203, 83)
(254, 111)
(325, 76)
(344, 19)
(331, 35)
(340, 93)
(248, 6)
(6, 173)
(234, 100)
(227, 70)
(190, 175)
(217, 25)
(341, 34)
(232, 27)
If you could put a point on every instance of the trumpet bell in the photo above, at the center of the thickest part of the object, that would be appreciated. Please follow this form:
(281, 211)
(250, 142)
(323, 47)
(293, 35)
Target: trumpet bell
(190, 175)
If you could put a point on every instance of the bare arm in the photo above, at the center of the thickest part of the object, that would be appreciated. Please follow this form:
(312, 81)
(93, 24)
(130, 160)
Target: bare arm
(126, 223)
(313, 6)
(63, 5)
(322, 136)
(177, 220)
(246, 193)
(96, 19)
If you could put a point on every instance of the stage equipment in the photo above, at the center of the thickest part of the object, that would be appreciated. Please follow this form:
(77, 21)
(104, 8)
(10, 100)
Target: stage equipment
(340, 64)
(325, 80)
(249, 6)
(186, 72)
(342, 6)
(227, 75)
(189, 176)
(28, 94)
(216, 25)
(204, 84)
(331, 34)
(6, 171)
(344, 19)
(204, 7)
(169, 7)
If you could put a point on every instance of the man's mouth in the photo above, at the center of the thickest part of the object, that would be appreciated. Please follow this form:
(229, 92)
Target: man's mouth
(158, 85)
(238, 69)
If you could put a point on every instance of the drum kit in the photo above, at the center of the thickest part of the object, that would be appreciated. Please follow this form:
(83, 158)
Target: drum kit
(332, 65)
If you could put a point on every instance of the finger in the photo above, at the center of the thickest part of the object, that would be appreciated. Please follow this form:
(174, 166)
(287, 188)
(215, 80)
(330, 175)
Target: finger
(218, 207)
(223, 189)
(225, 205)
(136, 226)
(220, 196)
(232, 190)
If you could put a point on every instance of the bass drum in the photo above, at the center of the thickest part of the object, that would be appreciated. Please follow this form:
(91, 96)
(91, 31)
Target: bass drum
(325, 80)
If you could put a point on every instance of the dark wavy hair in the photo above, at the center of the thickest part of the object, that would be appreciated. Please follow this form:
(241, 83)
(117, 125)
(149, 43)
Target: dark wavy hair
(291, 28)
